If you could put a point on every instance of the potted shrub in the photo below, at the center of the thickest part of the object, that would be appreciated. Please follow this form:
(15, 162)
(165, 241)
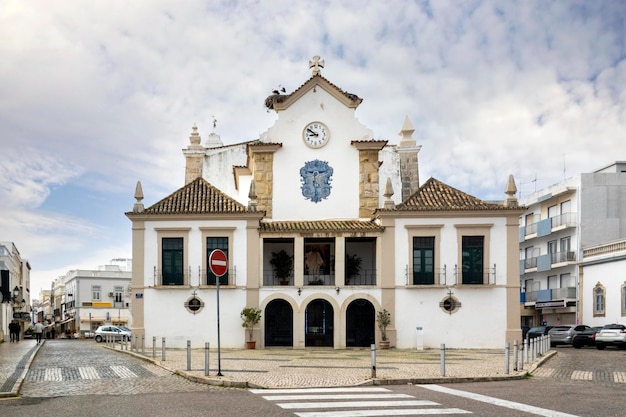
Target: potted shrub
(282, 263)
(353, 266)
(250, 316)
(383, 318)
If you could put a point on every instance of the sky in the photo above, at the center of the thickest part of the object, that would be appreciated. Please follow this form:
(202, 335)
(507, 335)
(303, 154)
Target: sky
(97, 95)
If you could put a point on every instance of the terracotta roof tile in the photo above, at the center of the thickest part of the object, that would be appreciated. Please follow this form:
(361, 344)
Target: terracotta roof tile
(197, 197)
(321, 226)
(435, 195)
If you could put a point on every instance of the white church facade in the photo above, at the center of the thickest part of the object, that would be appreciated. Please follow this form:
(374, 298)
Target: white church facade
(323, 226)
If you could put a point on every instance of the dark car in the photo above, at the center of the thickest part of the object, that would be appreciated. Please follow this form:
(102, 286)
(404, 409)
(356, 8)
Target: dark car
(538, 331)
(586, 337)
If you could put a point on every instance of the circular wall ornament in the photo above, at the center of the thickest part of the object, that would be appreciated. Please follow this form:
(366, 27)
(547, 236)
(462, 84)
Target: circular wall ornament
(450, 304)
(194, 304)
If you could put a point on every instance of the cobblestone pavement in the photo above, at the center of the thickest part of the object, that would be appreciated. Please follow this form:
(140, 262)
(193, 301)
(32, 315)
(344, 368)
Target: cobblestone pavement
(608, 366)
(83, 367)
(283, 368)
(74, 367)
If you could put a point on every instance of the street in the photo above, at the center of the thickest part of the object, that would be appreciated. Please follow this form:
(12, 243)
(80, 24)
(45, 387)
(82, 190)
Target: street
(70, 377)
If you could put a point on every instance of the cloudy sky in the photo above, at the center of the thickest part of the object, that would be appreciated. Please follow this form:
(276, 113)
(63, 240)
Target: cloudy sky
(96, 95)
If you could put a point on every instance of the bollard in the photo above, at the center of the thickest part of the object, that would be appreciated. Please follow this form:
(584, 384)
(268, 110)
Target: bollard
(373, 349)
(153, 347)
(515, 355)
(532, 350)
(163, 349)
(443, 359)
(189, 355)
(206, 359)
(143, 344)
(507, 353)
(525, 350)
(136, 343)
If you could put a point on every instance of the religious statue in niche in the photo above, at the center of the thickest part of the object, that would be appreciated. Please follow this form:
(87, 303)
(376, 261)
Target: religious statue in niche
(315, 177)
(313, 260)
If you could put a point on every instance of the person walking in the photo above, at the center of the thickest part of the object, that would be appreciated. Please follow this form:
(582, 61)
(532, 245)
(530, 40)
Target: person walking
(13, 331)
(38, 331)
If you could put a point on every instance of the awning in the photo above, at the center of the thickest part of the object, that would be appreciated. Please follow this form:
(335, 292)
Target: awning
(64, 321)
(93, 318)
(119, 319)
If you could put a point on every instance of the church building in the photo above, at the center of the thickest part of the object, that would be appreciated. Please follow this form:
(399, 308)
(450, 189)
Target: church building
(323, 227)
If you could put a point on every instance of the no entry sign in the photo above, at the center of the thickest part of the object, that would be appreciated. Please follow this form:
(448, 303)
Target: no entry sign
(218, 262)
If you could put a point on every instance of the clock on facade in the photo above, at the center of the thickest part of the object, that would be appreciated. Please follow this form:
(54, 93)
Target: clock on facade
(315, 134)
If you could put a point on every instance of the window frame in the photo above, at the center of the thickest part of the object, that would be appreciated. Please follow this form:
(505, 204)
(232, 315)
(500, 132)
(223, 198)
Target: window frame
(174, 232)
(599, 291)
(426, 255)
(96, 293)
(483, 230)
(434, 231)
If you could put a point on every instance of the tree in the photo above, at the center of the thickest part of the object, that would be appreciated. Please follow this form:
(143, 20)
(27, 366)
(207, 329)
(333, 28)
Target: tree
(383, 317)
(250, 316)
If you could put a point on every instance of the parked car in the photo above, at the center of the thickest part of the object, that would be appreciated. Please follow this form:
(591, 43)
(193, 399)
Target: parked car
(586, 337)
(538, 331)
(611, 335)
(563, 334)
(116, 332)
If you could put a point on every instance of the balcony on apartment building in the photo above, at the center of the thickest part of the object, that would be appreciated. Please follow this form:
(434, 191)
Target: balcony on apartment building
(550, 298)
(547, 262)
(546, 226)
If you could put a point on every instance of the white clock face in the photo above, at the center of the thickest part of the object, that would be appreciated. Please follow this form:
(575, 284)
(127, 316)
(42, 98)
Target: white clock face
(315, 134)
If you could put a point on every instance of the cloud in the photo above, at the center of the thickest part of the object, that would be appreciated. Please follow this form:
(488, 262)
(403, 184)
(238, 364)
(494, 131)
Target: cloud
(97, 95)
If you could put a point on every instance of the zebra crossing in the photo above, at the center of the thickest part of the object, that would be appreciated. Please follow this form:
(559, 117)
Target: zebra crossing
(579, 375)
(73, 373)
(352, 401)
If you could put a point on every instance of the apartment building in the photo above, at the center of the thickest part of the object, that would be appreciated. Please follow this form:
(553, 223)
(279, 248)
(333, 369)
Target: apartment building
(560, 222)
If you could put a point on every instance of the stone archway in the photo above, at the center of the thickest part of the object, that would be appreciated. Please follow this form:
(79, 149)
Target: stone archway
(278, 323)
(360, 323)
(319, 323)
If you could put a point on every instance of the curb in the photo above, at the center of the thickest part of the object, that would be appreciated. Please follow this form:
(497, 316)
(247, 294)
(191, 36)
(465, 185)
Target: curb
(17, 385)
(228, 383)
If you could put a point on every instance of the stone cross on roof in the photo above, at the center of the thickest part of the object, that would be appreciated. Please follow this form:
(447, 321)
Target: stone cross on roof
(316, 64)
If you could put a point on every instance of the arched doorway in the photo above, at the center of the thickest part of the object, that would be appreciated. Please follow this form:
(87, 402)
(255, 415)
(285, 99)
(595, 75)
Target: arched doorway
(360, 323)
(318, 323)
(278, 323)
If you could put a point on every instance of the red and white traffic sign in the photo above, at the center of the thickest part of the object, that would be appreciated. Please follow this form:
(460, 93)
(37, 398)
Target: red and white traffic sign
(218, 262)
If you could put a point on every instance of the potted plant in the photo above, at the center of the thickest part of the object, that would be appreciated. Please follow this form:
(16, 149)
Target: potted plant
(282, 263)
(383, 318)
(250, 316)
(353, 266)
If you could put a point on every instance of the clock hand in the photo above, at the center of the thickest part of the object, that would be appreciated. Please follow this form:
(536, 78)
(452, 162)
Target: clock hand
(312, 132)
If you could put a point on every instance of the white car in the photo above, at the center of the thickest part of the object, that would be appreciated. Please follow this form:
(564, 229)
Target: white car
(611, 334)
(115, 332)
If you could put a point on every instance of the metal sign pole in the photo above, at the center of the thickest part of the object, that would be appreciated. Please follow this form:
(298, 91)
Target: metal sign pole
(219, 354)
(218, 263)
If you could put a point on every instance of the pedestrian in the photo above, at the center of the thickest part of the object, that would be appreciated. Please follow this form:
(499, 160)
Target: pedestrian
(13, 331)
(38, 331)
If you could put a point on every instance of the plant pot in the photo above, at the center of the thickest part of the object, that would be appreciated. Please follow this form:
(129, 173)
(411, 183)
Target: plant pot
(383, 344)
(251, 345)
